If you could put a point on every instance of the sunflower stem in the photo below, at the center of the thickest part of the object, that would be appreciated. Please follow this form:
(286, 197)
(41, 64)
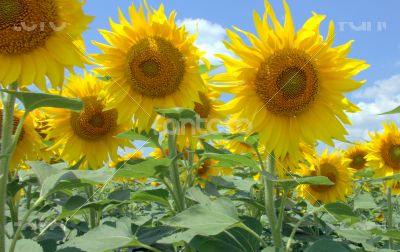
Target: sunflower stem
(92, 211)
(177, 187)
(269, 186)
(282, 209)
(5, 158)
(389, 218)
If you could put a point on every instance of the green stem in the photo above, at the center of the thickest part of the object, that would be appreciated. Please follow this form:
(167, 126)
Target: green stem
(29, 196)
(23, 221)
(270, 202)
(175, 179)
(389, 218)
(92, 211)
(14, 213)
(282, 209)
(294, 230)
(5, 158)
(316, 224)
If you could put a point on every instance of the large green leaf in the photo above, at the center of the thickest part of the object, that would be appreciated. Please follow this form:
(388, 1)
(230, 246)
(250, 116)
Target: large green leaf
(74, 179)
(327, 246)
(341, 212)
(143, 168)
(394, 111)
(156, 195)
(33, 101)
(207, 219)
(364, 201)
(381, 179)
(181, 115)
(392, 234)
(234, 239)
(25, 245)
(104, 238)
(232, 160)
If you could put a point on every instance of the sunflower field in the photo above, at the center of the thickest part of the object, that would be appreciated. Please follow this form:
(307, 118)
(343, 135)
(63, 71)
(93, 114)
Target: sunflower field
(134, 148)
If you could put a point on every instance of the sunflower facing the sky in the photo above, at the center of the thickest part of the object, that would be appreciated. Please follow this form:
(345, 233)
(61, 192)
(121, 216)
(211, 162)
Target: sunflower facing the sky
(384, 151)
(332, 166)
(88, 134)
(29, 142)
(357, 154)
(152, 64)
(40, 38)
(290, 84)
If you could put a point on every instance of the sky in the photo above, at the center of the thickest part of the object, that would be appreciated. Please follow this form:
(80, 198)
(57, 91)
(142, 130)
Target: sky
(374, 26)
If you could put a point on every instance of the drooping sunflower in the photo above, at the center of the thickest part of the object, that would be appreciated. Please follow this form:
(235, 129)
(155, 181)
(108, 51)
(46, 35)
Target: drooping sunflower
(332, 166)
(88, 134)
(384, 151)
(29, 142)
(357, 154)
(40, 38)
(290, 84)
(210, 169)
(189, 132)
(152, 63)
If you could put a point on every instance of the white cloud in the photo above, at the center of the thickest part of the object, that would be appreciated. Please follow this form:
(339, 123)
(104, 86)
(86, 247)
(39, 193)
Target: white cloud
(210, 37)
(382, 96)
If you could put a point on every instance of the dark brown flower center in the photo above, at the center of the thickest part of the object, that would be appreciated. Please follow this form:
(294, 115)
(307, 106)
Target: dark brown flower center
(287, 82)
(26, 25)
(93, 123)
(155, 67)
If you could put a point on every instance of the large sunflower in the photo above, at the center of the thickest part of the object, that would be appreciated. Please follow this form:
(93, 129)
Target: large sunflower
(152, 63)
(384, 151)
(40, 38)
(290, 84)
(29, 142)
(91, 132)
(357, 155)
(332, 166)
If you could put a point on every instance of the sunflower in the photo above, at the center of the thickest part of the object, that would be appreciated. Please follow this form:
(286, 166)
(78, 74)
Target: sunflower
(332, 166)
(290, 84)
(190, 132)
(29, 142)
(236, 126)
(135, 155)
(395, 187)
(152, 63)
(357, 155)
(210, 169)
(40, 38)
(384, 151)
(91, 132)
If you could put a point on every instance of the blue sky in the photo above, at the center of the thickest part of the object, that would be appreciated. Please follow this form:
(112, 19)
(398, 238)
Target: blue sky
(373, 24)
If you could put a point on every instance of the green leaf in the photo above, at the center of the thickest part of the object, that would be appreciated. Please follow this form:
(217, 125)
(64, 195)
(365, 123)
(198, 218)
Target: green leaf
(104, 238)
(392, 234)
(73, 179)
(134, 135)
(364, 201)
(25, 245)
(233, 240)
(75, 202)
(207, 219)
(179, 114)
(143, 168)
(227, 160)
(316, 180)
(250, 140)
(354, 235)
(327, 246)
(156, 195)
(381, 179)
(33, 101)
(341, 212)
(366, 173)
(394, 111)
(120, 195)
